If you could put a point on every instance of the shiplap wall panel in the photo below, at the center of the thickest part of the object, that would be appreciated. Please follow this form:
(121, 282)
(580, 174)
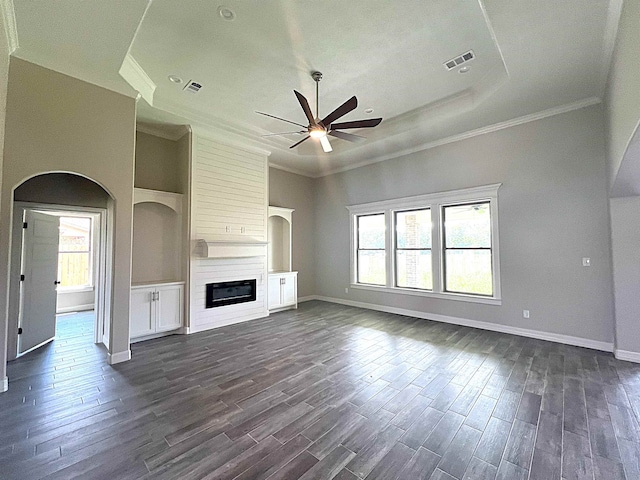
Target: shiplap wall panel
(229, 188)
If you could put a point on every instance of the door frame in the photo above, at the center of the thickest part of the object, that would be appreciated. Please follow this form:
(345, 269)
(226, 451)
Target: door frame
(102, 269)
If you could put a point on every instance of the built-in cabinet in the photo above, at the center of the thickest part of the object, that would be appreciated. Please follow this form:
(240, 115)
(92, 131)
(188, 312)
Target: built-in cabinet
(283, 282)
(156, 309)
(283, 291)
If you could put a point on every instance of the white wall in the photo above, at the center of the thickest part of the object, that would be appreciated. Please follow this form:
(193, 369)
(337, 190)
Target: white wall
(625, 239)
(553, 210)
(75, 301)
(58, 123)
(295, 191)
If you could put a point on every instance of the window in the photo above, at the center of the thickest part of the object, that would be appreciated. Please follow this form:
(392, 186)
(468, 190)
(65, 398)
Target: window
(75, 252)
(371, 249)
(443, 245)
(467, 248)
(413, 249)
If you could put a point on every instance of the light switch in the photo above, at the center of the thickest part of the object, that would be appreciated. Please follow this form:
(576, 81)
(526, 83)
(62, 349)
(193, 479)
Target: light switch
(586, 262)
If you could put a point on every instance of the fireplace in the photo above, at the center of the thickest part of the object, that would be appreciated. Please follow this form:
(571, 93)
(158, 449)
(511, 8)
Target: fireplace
(228, 293)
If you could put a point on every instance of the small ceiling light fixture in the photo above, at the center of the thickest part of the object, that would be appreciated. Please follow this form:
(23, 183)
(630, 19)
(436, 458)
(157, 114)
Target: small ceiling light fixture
(226, 13)
(368, 111)
(318, 132)
(175, 78)
(464, 69)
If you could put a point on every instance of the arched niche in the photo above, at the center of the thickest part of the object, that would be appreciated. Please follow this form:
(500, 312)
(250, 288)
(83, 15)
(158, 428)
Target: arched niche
(279, 238)
(157, 238)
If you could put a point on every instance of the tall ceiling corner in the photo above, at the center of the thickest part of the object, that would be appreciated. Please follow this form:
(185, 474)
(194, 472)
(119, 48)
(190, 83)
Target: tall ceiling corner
(135, 76)
(609, 42)
(10, 26)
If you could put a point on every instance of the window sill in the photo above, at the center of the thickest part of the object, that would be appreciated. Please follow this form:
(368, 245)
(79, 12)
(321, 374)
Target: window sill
(418, 293)
(75, 289)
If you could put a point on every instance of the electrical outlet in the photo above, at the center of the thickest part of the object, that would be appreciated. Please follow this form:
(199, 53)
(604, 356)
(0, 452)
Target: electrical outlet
(346, 290)
(227, 229)
(586, 262)
(243, 229)
(525, 313)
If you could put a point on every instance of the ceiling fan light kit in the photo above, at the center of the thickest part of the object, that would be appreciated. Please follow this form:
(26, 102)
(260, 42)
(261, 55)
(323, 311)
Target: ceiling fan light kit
(319, 129)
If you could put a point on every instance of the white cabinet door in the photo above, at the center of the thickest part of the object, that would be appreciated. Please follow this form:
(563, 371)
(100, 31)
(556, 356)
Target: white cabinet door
(274, 293)
(169, 307)
(142, 312)
(289, 288)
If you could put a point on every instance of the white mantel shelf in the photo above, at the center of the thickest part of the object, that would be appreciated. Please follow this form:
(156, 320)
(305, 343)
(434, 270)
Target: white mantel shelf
(232, 249)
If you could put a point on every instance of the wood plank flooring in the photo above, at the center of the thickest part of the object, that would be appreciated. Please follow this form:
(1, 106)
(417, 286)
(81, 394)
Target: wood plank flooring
(324, 392)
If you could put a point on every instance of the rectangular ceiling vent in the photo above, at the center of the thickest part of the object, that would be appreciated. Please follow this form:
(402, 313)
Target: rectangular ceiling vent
(459, 60)
(192, 87)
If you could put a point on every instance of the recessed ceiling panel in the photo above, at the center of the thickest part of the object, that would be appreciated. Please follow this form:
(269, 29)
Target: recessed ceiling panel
(389, 54)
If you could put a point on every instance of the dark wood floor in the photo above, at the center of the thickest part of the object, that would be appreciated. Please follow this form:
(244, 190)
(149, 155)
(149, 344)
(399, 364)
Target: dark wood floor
(322, 392)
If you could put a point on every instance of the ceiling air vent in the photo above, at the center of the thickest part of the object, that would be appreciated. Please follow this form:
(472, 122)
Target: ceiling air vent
(459, 60)
(192, 87)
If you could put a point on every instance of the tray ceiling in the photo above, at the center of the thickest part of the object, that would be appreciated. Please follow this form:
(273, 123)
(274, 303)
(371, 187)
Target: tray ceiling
(530, 57)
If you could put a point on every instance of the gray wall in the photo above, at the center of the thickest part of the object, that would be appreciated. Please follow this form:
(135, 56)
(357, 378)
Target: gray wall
(553, 211)
(622, 97)
(295, 191)
(157, 164)
(625, 238)
(56, 123)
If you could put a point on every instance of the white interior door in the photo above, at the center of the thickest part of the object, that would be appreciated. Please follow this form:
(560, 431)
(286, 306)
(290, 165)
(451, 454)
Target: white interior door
(40, 270)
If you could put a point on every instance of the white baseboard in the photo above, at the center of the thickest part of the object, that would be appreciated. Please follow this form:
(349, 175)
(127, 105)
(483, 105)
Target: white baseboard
(118, 357)
(5, 385)
(523, 332)
(307, 298)
(76, 308)
(627, 355)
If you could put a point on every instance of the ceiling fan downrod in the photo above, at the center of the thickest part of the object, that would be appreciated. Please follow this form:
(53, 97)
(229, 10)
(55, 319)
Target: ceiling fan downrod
(317, 76)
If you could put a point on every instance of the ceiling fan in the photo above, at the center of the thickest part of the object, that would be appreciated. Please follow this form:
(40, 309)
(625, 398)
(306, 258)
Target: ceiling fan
(319, 129)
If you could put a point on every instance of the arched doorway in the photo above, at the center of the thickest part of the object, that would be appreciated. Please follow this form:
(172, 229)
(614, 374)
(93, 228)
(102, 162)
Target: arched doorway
(85, 211)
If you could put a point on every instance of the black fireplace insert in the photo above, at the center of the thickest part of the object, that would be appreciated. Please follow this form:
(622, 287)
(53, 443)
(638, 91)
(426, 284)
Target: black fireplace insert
(228, 293)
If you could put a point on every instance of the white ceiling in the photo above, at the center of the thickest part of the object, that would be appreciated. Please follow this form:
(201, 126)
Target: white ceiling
(530, 57)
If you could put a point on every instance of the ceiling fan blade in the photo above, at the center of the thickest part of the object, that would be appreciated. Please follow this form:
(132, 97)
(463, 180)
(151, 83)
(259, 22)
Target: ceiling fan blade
(284, 133)
(298, 143)
(371, 122)
(326, 145)
(342, 110)
(278, 118)
(346, 136)
(305, 106)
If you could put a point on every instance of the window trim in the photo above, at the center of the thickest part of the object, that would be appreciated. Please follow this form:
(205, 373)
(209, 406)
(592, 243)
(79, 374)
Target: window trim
(435, 202)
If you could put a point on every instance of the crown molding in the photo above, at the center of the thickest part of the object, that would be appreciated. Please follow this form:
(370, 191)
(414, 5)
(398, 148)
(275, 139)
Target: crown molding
(230, 140)
(216, 129)
(158, 132)
(135, 76)
(8, 13)
(551, 112)
(295, 171)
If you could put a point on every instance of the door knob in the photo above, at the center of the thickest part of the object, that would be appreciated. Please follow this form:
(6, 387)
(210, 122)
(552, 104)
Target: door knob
(56, 282)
